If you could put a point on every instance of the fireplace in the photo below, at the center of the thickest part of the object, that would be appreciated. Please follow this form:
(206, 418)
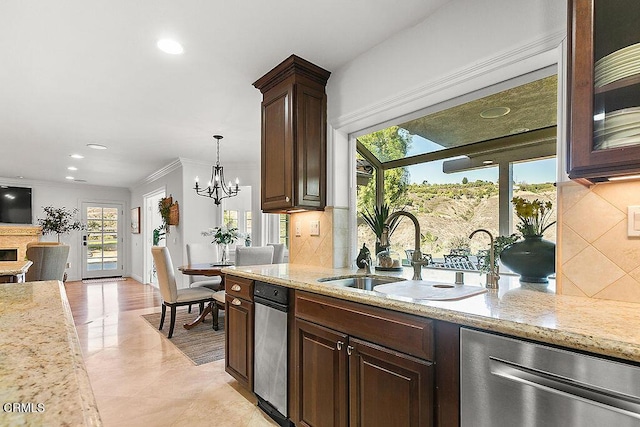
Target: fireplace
(16, 237)
(10, 254)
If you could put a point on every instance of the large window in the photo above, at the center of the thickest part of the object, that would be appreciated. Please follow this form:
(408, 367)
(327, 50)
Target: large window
(230, 218)
(457, 170)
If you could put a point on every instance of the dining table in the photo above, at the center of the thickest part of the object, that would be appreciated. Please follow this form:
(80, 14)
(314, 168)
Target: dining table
(204, 269)
(13, 271)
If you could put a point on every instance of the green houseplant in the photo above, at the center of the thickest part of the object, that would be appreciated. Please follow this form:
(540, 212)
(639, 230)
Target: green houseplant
(376, 219)
(223, 236)
(60, 221)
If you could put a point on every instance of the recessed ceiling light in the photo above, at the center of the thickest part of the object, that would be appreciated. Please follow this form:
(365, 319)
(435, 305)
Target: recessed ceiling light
(598, 117)
(97, 146)
(169, 46)
(77, 156)
(519, 130)
(20, 177)
(69, 177)
(494, 113)
(487, 162)
(72, 168)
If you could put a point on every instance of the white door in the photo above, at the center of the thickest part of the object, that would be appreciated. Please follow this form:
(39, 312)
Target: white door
(151, 221)
(102, 241)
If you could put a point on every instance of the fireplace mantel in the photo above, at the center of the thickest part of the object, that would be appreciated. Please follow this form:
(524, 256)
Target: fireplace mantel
(17, 237)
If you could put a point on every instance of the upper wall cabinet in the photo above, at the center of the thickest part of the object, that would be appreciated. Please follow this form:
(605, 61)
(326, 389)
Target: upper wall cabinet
(294, 136)
(604, 90)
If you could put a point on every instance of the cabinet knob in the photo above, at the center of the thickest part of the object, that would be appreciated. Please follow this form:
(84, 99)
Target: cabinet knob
(236, 288)
(236, 301)
(349, 350)
(286, 199)
(339, 345)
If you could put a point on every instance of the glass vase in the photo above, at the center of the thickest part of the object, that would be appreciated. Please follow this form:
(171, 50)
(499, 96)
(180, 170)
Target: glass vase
(224, 253)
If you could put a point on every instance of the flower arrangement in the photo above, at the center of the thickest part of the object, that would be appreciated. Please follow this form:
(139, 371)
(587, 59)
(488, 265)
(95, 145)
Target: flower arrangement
(60, 221)
(534, 216)
(223, 235)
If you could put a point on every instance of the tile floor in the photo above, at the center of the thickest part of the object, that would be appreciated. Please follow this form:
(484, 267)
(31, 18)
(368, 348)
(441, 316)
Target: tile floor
(140, 379)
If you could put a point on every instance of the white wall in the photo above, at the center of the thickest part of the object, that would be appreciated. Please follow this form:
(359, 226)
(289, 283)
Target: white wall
(170, 178)
(465, 46)
(71, 196)
(197, 213)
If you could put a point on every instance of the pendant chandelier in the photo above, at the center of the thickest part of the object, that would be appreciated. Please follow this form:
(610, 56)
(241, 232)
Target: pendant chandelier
(216, 188)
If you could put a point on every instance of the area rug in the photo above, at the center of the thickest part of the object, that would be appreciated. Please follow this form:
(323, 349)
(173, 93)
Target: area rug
(104, 279)
(201, 344)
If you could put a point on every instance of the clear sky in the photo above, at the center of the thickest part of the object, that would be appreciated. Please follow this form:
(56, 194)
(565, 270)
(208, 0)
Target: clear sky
(529, 172)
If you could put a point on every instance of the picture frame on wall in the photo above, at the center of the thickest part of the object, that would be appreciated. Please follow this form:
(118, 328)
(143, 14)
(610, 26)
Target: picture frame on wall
(135, 220)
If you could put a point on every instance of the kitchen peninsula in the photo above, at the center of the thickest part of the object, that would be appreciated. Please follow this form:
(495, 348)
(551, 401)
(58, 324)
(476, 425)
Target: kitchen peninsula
(593, 325)
(42, 372)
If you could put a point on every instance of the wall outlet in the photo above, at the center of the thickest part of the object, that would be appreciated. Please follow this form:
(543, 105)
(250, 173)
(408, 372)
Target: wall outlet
(633, 221)
(68, 265)
(314, 228)
(298, 230)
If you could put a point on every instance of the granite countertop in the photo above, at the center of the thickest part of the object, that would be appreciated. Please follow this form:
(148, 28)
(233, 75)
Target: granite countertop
(13, 268)
(527, 311)
(41, 365)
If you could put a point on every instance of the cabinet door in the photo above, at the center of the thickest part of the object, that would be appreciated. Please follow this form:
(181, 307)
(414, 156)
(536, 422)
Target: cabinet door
(387, 388)
(604, 92)
(239, 340)
(321, 375)
(310, 146)
(277, 148)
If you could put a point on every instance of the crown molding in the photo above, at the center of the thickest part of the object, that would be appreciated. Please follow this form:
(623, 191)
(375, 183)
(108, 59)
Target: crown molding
(421, 96)
(165, 170)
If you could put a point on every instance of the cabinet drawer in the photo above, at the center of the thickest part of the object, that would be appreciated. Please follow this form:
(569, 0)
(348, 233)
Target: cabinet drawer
(239, 287)
(403, 332)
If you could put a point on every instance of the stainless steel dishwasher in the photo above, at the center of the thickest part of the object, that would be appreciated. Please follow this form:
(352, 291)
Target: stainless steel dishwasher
(511, 382)
(270, 354)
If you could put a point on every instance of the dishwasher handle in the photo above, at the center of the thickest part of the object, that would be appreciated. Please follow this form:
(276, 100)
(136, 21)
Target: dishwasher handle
(547, 381)
(272, 304)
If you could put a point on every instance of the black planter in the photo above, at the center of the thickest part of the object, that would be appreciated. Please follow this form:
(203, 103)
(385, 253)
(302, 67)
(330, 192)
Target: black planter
(533, 258)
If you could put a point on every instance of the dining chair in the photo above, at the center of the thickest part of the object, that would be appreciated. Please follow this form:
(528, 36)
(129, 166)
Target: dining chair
(171, 295)
(201, 253)
(253, 255)
(278, 252)
(49, 262)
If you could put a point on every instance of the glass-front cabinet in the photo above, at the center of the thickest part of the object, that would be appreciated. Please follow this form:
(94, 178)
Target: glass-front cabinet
(604, 89)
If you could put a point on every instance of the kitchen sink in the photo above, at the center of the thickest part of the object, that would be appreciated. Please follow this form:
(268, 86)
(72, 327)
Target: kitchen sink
(360, 282)
(428, 290)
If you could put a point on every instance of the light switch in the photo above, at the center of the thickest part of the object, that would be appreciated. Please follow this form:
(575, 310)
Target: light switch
(298, 231)
(314, 228)
(633, 221)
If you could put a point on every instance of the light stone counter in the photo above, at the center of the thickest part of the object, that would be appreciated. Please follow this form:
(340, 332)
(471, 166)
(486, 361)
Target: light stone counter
(43, 381)
(529, 311)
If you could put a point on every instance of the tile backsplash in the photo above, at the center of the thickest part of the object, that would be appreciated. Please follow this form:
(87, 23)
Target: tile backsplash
(329, 248)
(596, 258)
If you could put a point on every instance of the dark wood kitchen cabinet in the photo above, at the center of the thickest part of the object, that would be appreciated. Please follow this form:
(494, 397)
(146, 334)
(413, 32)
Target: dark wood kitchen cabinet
(293, 136)
(361, 366)
(239, 326)
(604, 89)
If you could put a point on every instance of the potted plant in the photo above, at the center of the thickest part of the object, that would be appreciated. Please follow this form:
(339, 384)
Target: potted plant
(499, 243)
(376, 219)
(60, 221)
(223, 236)
(533, 258)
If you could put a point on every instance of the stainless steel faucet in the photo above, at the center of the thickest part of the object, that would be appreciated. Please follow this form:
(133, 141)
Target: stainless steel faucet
(492, 275)
(416, 261)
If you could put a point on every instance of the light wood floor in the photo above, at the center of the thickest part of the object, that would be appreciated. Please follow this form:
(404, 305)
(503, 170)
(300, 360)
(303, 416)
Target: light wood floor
(138, 377)
(89, 301)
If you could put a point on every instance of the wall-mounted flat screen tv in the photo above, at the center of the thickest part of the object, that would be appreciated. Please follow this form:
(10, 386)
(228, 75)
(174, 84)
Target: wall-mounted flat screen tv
(15, 205)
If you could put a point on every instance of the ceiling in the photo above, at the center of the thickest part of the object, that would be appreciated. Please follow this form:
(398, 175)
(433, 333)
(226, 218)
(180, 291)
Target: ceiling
(521, 110)
(76, 72)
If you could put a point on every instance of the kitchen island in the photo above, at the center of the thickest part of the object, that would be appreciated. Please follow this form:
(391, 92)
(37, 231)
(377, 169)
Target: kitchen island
(527, 311)
(42, 374)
